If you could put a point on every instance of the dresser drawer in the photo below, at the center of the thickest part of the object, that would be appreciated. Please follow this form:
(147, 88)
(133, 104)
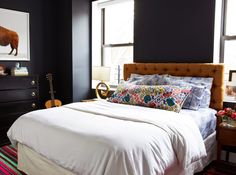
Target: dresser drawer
(18, 107)
(17, 95)
(15, 82)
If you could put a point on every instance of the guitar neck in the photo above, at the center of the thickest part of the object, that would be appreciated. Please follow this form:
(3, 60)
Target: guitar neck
(52, 93)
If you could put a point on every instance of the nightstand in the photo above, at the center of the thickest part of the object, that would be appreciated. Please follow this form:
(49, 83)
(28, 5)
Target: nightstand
(226, 138)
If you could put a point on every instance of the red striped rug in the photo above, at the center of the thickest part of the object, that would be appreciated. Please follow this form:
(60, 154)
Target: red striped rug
(8, 161)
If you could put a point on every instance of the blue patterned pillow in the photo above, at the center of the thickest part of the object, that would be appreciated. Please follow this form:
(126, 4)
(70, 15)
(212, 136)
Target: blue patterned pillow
(154, 79)
(165, 97)
(195, 97)
(198, 81)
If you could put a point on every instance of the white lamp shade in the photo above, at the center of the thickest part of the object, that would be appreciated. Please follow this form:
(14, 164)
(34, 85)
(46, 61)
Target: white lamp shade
(101, 73)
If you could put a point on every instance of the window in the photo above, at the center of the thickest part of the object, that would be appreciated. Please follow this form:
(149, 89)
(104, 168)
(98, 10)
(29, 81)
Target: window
(225, 34)
(112, 35)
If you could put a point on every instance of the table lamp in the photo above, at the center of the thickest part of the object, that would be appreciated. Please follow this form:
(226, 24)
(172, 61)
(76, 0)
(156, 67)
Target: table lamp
(103, 74)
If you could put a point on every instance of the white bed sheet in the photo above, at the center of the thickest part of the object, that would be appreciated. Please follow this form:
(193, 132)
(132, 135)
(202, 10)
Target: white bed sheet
(102, 138)
(204, 118)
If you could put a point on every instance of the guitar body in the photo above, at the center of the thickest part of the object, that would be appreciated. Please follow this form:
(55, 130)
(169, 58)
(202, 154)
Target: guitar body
(53, 102)
(49, 103)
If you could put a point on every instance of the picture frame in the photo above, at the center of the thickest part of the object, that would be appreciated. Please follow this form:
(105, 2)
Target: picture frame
(14, 35)
(230, 88)
(232, 75)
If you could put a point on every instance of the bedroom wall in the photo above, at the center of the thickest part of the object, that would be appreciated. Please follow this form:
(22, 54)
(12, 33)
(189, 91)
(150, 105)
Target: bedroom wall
(174, 31)
(165, 31)
(81, 44)
(42, 45)
(74, 59)
(52, 49)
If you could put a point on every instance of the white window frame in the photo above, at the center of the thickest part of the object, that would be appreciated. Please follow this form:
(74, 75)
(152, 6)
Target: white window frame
(102, 5)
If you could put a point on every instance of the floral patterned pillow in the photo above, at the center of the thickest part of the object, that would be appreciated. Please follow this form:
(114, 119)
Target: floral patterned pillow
(165, 97)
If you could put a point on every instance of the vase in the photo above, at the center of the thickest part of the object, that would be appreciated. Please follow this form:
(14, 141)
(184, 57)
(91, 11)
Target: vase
(231, 122)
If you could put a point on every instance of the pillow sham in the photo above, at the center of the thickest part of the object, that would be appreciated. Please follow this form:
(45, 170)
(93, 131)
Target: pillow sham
(154, 79)
(205, 82)
(165, 97)
(195, 97)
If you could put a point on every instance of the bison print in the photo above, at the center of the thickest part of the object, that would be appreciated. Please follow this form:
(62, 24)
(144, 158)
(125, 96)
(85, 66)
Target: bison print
(9, 37)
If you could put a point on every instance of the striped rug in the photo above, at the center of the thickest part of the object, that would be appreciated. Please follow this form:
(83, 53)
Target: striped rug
(8, 161)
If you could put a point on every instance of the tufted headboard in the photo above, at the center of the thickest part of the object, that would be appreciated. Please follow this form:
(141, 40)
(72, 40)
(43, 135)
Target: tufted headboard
(185, 69)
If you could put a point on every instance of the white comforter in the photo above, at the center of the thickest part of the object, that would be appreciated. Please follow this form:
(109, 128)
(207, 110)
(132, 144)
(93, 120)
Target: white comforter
(102, 138)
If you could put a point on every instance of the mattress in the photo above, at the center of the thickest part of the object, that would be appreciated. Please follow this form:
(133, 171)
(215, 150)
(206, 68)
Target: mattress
(204, 118)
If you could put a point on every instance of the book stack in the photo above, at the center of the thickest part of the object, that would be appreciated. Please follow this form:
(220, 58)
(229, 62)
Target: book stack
(22, 71)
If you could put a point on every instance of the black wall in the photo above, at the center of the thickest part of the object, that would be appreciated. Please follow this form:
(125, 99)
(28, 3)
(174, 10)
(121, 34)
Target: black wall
(52, 26)
(42, 44)
(60, 38)
(81, 40)
(174, 31)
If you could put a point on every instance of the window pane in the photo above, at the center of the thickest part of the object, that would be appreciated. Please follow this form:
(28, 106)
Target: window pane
(230, 19)
(115, 57)
(230, 56)
(119, 19)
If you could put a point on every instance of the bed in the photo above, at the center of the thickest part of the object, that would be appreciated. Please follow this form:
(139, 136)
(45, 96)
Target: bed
(124, 140)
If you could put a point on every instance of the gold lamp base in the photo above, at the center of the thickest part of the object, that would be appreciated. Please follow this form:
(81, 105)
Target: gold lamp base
(102, 93)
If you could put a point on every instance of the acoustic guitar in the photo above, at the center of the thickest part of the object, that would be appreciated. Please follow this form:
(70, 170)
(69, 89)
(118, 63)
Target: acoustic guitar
(53, 102)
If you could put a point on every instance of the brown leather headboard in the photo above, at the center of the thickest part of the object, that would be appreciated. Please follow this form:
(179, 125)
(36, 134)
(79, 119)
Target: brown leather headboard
(185, 69)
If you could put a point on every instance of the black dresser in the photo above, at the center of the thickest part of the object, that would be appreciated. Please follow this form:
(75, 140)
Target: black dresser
(18, 95)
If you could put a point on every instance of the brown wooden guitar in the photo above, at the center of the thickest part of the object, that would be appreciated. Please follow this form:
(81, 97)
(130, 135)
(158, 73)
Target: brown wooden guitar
(53, 102)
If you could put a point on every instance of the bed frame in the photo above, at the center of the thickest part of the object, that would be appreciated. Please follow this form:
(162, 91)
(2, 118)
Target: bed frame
(185, 69)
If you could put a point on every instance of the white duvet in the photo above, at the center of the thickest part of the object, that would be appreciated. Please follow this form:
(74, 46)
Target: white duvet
(103, 138)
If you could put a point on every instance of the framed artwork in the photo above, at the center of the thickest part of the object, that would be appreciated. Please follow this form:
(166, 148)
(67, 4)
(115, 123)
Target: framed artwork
(230, 89)
(232, 75)
(14, 35)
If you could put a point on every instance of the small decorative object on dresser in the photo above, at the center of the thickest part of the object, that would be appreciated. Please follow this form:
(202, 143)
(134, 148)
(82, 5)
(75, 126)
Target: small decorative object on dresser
(19, 71)
(226, 131)
(18, 95)
(2, 69)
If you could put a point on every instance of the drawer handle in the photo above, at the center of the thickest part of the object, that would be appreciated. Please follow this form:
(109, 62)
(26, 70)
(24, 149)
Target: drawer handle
(32, 82)
(33, 94)
(33, 105)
